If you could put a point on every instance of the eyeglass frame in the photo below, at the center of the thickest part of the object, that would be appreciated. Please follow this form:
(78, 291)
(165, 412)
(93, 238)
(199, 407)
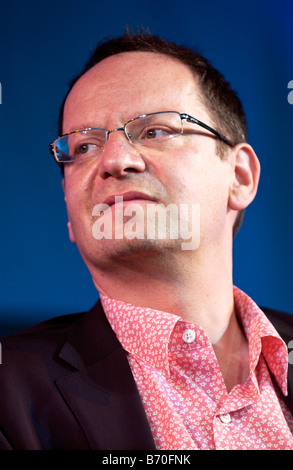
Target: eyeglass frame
(188, 117)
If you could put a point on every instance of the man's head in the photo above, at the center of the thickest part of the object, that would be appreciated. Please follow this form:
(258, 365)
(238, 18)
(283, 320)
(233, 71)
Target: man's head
(139, 74)
(225, 108)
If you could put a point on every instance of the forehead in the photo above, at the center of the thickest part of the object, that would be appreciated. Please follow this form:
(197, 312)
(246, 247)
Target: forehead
(129, 84)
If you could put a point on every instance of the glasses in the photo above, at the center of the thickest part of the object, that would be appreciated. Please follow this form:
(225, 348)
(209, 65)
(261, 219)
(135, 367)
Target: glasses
(155, 130)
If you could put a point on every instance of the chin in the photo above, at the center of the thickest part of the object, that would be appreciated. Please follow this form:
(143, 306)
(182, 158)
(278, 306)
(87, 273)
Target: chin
(115, 251)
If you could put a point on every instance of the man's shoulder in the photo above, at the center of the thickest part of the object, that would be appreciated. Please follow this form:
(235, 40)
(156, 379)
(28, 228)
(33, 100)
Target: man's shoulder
(36, 351)
(56, 326)
(52, 327)
(43, 339)
(282, 321)
(26, 353)
(45, 342)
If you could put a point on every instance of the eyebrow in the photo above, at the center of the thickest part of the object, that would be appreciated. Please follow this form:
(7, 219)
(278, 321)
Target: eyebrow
(82, 126)
(86, 125)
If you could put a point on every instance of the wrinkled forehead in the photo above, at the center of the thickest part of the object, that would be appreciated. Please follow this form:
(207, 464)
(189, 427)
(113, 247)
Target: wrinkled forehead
(130, 84)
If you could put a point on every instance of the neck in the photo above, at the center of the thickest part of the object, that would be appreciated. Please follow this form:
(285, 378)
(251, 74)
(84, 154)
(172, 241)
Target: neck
(178, 285)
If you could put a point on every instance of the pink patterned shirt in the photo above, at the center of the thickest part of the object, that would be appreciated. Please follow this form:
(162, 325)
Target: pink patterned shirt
(182, 388)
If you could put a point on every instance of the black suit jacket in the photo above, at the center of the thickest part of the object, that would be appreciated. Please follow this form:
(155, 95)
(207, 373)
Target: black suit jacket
(67, 384)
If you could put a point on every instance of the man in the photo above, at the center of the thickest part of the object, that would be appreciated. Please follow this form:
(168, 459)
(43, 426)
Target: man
(172, 356)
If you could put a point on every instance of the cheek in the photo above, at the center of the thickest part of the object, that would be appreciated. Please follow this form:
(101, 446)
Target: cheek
(185, 178)
(77, 204)
(78, 187)
(201, 178)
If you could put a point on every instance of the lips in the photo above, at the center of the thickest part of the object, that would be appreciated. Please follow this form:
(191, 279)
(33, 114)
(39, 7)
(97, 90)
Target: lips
(129, 196)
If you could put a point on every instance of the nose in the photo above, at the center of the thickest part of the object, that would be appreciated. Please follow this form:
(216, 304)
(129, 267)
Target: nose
(119, 157)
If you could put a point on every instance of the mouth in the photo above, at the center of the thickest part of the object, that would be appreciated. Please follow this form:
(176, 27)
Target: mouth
(131, 196)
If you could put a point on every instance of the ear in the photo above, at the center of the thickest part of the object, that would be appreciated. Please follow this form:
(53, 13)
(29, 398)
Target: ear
(245, 178)
(70, 232)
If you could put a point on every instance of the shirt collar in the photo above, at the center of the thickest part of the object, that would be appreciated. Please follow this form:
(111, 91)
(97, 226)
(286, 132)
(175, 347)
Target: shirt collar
(145, 333)
(263, 338)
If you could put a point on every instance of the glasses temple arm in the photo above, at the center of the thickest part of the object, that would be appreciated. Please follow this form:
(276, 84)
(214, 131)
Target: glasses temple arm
(208, 128)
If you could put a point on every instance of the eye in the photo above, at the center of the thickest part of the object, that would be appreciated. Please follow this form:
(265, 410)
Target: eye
(157, 133)
(89, 146)
(85, 143)
(85, 148)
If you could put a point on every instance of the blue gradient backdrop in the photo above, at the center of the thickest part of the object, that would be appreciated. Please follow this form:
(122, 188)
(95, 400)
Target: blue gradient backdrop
(42, 45)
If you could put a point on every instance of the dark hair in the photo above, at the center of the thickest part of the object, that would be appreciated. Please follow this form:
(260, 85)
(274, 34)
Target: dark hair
(221, 101)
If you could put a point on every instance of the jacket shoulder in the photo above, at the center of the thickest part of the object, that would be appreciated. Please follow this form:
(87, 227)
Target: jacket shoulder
(46, 332)
(43, 343)
(51, 325)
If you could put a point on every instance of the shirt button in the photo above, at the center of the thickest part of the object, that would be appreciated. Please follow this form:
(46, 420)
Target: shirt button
(225, 418)
(188, 336)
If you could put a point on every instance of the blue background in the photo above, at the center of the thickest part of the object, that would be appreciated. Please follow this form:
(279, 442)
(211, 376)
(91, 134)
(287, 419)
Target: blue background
(43, 44)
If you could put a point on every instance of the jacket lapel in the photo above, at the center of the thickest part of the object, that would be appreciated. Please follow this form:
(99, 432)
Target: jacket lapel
(101, 392)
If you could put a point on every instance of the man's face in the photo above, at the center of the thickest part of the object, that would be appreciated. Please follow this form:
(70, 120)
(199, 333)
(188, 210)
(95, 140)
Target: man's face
(116, 90)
